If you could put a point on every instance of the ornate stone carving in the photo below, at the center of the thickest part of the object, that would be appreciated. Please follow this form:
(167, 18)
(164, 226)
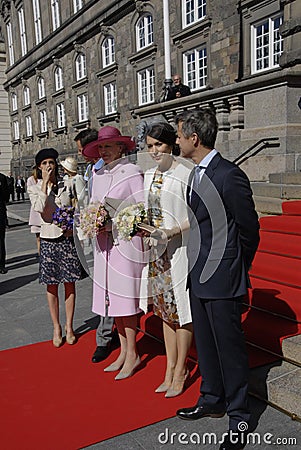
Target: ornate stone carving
(5, 8)
(139, 6)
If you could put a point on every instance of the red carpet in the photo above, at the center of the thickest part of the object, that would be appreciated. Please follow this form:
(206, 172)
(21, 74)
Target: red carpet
(57, 399)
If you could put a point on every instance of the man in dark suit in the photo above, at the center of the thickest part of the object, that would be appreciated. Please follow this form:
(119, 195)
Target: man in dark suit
(4, 197)
(224, 222)
(178, 90)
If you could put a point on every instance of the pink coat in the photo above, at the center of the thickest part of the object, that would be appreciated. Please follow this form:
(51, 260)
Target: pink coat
(117, 268)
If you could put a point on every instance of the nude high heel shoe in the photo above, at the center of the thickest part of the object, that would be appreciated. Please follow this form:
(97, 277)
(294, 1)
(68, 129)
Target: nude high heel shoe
(162, 388)
(122, 376)
(57, 340)
(178, 390)
(70, 338)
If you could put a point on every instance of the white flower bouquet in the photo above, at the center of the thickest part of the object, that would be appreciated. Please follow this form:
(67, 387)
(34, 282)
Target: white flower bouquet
(128, 219)
(92, 219)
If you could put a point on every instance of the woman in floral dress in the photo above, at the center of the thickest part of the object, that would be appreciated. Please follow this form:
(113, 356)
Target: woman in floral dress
(165, 191)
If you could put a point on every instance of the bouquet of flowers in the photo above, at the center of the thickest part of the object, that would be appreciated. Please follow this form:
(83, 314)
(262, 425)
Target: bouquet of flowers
(93, 218)
(128, 219)
(63, 217)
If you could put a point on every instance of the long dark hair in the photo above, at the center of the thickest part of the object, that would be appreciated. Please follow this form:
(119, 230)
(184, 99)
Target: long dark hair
(165, 133)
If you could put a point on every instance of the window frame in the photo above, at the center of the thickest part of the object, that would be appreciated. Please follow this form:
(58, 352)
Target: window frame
(26, 96)
(14, 102)
(16, 128)
(109, 52)
(148, 36)
(61, 115)
(43, 121)
(58, 78)
(55, 14)
(149, 86)
(37, 21)
(41, 88)
(28, 126)
(77, 5)
(270, 57)
(110, 98)
(22, 29)
(82, 107)
(10, 42)
(194, 11)
(196, 52)
(80, 66)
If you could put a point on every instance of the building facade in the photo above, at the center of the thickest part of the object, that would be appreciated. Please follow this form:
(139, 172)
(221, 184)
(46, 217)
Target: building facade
(73, 64)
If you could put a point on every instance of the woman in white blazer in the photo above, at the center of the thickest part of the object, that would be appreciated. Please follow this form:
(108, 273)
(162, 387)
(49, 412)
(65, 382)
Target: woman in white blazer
(164, 278)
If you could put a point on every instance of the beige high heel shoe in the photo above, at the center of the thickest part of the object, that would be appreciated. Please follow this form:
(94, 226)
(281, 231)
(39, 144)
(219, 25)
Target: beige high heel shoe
(121, 375)
(178, 390)
(162, 388)
(70, 338)
(57, 340)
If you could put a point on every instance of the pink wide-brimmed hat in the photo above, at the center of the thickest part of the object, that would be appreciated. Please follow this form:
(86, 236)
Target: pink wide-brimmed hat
(107, 134)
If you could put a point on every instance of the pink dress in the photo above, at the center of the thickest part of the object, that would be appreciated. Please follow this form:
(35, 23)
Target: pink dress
(117, 268)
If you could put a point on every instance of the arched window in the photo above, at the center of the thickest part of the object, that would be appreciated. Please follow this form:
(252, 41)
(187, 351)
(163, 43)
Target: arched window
(80, 67)
(26, 96)
(58, 78)
(108, 51)
(145, 32)
(41, 87)
(14, 102)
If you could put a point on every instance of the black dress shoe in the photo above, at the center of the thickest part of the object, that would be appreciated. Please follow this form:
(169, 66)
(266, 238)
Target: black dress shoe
(235, 442)
(3, 270)
(197, 412)
(100, 354)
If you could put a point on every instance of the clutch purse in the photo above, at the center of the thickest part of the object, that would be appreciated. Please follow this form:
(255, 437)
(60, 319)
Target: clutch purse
(112, 205)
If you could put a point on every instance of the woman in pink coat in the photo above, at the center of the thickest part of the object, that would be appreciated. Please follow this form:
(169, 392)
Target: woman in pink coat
(117, 263)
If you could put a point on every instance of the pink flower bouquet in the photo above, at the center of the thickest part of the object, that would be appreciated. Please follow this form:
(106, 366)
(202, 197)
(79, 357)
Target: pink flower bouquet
(93, 218)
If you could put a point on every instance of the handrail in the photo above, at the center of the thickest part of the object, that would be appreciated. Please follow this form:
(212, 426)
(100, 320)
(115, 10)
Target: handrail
(265, 144)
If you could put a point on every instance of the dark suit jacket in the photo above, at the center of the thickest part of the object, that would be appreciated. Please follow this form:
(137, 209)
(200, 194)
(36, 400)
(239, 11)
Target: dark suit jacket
(224, 232)
(4, 197)
(182, 88)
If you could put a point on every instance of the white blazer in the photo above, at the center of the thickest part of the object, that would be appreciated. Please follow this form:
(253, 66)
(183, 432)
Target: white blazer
(174, 211)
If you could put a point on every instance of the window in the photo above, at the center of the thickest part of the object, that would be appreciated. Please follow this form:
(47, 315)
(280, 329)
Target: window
(58, 78)
(26, 96)
(146, 86)
(110, 98)
(43, 121)
(60, 113)
(10, 43)
(108, 51)
(82, 105)
(144, 32)
(22, 31)
(77, 5)
(195, 68)
(55, 14)
(28, 123)
(37, 20)
(80, 67)
(16, 130)
(193, 11)
(14, 102)
(267, 44)
(41, 88)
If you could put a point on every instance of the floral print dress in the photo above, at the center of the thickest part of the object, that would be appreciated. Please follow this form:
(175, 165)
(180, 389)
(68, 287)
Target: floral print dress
(159, 266)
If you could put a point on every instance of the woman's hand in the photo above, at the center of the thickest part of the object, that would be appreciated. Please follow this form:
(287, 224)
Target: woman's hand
(107, 228)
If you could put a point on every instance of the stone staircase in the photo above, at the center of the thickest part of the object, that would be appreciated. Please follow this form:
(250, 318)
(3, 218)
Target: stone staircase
(269, 195)
(275, 307)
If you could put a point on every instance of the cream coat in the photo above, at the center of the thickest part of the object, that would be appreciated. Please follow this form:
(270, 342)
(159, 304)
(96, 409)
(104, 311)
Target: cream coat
(174, 211)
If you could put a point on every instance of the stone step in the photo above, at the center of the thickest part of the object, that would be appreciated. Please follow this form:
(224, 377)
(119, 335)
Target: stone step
(285, 178)
(268, 205)
(280, 191)
(291, 348)
(280, 384)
